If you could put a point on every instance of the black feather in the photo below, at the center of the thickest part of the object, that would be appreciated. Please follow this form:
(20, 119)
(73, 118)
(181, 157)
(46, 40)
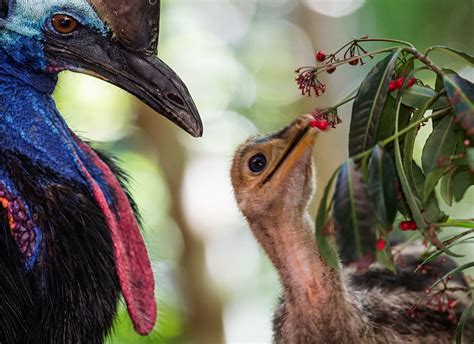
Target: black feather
(71, 294)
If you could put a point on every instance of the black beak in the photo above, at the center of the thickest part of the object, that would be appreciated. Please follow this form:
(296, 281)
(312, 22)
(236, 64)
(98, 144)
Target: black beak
(145, 76)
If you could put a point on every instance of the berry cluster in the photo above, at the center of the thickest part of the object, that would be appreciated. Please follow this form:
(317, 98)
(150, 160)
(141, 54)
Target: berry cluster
(437, 299)
(408, 226)
(21, 225)
(321, 124)
(352, 56)
(308, 82)
(398, 83)
(327, 116)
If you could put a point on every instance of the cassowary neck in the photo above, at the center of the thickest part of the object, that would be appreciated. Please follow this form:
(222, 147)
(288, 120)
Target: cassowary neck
(315, 302)
(30, 123)
(307, 280)
(19, 68)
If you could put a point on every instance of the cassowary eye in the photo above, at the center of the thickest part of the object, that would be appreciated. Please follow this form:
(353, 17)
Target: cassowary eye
(257, 163)
(64, 24)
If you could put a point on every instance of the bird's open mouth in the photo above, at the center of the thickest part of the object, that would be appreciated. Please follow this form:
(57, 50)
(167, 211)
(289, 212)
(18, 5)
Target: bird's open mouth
(302, 137)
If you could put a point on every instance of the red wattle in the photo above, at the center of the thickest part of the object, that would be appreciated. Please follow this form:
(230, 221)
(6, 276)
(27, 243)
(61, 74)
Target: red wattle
(132, 262)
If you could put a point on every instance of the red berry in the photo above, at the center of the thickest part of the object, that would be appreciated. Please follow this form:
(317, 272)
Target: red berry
(399, 82)
(405, 225)
(380, 244)
(412, 225)
(467, 143)
(411, 82)
(320, 55)
(354, 62)
(392, 86)
(321, 124)
(331, 69)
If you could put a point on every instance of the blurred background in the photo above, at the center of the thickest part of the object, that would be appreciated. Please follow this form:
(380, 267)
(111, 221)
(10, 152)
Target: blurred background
(238, 57)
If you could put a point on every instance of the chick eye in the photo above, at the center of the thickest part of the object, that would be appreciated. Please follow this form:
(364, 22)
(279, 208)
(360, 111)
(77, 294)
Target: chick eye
(257, 163)
(64, 24)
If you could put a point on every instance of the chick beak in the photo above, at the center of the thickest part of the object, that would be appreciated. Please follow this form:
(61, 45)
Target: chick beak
(300, 137)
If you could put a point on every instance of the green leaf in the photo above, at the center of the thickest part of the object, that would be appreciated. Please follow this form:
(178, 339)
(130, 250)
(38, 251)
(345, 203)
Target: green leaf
(431, 181)
(406, 67)
(323, 240)
(385, 258)
(465, 317)
(438, 253)
(416, 96)
(418, 181)
(461, 96)
(453, 272)
(440, 79)
(369, 103)
(466, 57)
(431, 210)
(382, 185)
(387, 120)
(447, 189)
(407, 189)
(353, 216)
(409, 145)
(441, 143)
(470, 157)
(462, 181)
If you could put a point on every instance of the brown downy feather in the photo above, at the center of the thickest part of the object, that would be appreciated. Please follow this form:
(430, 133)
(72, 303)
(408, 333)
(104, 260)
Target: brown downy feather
(320, 304)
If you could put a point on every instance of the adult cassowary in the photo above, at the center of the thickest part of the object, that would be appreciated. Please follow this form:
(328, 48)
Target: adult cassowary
(70, 242)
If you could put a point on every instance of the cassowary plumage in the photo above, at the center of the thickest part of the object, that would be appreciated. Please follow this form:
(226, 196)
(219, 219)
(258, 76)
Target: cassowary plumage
(70, 243)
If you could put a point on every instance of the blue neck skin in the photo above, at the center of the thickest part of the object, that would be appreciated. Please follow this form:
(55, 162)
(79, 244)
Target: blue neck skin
(30, 123)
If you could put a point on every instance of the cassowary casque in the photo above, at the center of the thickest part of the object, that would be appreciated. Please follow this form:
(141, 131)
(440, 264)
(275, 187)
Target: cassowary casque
(70, 242)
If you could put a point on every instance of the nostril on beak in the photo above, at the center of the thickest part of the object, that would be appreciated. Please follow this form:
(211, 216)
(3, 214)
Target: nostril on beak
(175, 99)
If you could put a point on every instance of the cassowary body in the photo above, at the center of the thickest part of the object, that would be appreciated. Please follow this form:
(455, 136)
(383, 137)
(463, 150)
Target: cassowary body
(273, 181)
(69, 237)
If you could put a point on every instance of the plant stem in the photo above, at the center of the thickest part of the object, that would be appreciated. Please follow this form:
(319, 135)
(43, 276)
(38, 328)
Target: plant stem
(461, 224)
(405, 130)
(426, 60)
(384, 40)
(406, 188)
(345, 101)
(360, 40)
(416, 124)
(324, 68)
(457, 237)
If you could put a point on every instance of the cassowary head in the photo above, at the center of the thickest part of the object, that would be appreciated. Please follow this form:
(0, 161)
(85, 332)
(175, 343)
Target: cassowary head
(274, 173)
(113, 40)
